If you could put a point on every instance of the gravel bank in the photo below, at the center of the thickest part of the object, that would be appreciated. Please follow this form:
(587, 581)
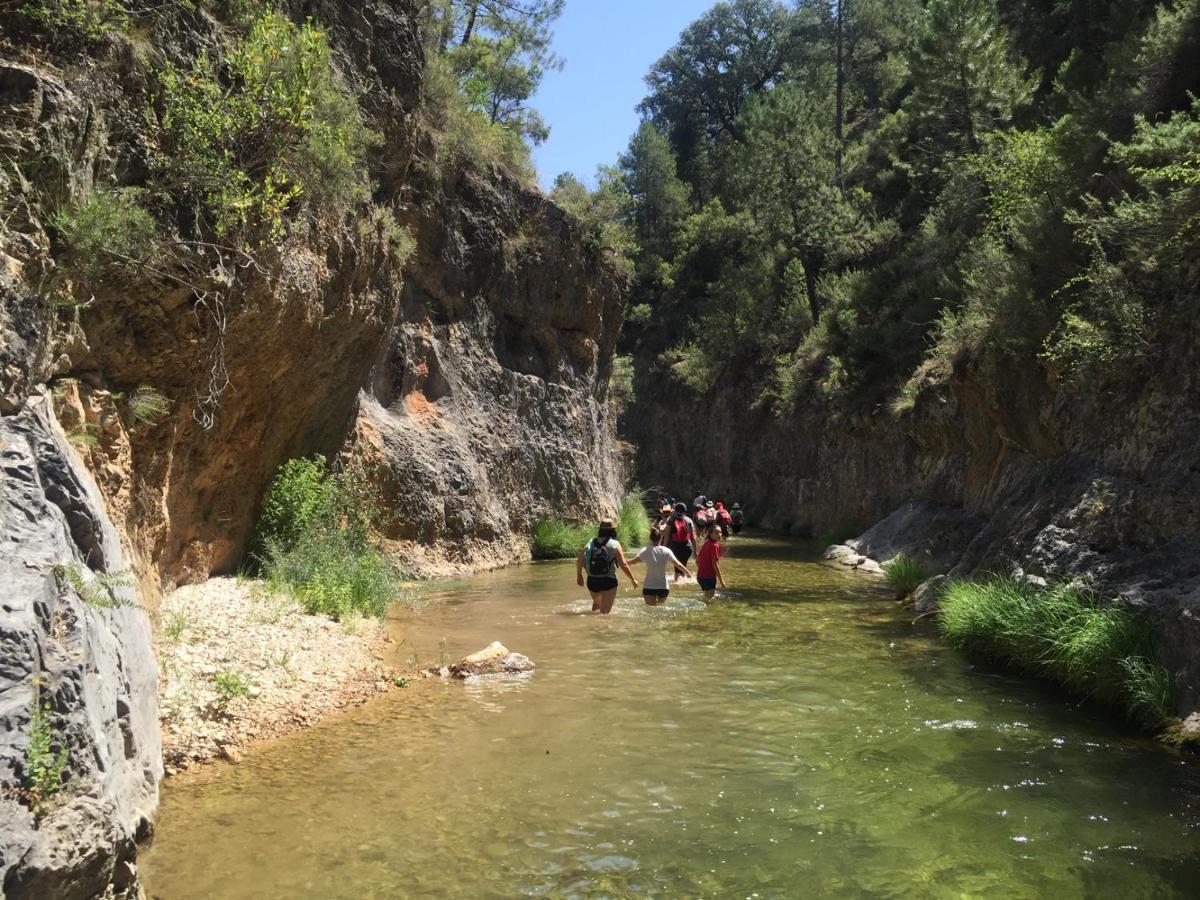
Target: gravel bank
(238, 663)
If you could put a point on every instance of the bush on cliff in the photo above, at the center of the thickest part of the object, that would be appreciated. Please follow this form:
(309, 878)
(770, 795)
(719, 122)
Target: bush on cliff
(314, 540)
(252, 136)
(1062, 634)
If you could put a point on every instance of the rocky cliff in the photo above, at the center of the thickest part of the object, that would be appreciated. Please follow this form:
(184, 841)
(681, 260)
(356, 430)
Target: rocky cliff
(994, 470)
(474, 378)
(488, 406)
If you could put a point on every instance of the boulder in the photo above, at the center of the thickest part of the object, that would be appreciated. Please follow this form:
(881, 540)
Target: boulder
(928, 593)
(494, 659)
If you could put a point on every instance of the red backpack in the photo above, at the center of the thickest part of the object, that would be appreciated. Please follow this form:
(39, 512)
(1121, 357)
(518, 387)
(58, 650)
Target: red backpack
(679, 530)
(723, 517)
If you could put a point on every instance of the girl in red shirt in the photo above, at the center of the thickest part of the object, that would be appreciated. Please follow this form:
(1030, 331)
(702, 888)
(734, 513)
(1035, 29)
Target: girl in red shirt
(708, 564)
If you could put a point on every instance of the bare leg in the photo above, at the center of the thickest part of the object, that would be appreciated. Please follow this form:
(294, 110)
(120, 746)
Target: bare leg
(708, 595)
(607, 599)
(596, 601)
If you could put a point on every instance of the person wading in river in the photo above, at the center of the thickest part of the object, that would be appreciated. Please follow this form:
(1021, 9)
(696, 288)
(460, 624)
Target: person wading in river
(708, 564)
(600, 558)
(657, 557)
(681, 535)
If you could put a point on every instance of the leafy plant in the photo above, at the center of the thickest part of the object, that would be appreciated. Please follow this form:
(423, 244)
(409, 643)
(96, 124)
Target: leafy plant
(904, 573)
(44, 766)
(74, 24)
(230, 686)
(175, 626)
(1064, 634)
(103, 590)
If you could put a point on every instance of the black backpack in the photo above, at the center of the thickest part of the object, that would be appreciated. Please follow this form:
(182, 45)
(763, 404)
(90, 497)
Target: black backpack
(599, 560)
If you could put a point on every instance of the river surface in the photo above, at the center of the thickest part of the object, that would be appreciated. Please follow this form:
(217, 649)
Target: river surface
(798, 737)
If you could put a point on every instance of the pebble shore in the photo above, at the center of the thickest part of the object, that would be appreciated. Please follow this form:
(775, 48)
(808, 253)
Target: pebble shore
(238, 663)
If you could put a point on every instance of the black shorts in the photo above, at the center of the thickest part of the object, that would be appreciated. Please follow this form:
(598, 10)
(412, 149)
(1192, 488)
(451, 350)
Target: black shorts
(683, 552)
(599, 583)
(656, 592)
(707, 584)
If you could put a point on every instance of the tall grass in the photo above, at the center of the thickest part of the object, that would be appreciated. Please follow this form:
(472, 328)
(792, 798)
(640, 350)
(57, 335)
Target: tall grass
(633, 522)
(904, 574)
(1062, 634)
(554, 539)
(559, 540)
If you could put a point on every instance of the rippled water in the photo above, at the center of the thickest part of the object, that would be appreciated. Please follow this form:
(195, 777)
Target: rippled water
(797, 738)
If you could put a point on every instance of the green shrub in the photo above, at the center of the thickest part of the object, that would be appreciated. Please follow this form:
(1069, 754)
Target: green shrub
(44, 765)
(329, 573)
(299, 501)
(1062, 634)
(620, 382)
(558, 540)
(315, 541)
(904, 574)
(107, 233)
(75, 24)
(269, 127)
(103, 590)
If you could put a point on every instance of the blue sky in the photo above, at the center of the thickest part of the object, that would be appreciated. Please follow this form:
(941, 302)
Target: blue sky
(609, 45)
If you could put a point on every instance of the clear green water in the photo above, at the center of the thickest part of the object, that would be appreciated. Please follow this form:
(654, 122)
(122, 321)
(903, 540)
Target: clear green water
(798, 738)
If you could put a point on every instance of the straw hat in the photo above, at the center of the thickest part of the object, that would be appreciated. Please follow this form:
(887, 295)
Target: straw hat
(607, 522)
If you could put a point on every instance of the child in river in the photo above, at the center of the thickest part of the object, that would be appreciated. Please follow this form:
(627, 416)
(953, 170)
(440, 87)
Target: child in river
(656, 589)
(708, 564)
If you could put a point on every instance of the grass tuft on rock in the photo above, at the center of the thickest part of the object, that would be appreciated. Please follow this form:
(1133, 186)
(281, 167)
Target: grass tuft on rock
(904, 573)
(1062, 634)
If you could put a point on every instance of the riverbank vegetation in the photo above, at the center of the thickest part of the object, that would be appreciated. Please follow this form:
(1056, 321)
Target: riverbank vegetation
(555, 539)
(315, 540)
(1062, 634)
(904, 573)
(827, 205)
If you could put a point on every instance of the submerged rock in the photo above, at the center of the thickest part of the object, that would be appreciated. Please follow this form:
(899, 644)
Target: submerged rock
(494, 659)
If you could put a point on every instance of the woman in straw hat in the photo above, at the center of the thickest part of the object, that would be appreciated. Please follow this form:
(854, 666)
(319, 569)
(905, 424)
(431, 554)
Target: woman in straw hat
(600, 559)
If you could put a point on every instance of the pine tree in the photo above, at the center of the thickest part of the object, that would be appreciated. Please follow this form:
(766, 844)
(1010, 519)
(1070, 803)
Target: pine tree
(966, 78)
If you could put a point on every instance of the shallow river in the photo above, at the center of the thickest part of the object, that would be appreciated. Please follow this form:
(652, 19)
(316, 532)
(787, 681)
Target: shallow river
(797, 738)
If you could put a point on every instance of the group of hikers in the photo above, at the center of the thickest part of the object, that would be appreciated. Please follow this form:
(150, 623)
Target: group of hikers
(674, 538)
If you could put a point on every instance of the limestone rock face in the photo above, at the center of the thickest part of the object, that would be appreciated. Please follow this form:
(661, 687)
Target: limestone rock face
(494, 659)
(488, 406)
(94, 664)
